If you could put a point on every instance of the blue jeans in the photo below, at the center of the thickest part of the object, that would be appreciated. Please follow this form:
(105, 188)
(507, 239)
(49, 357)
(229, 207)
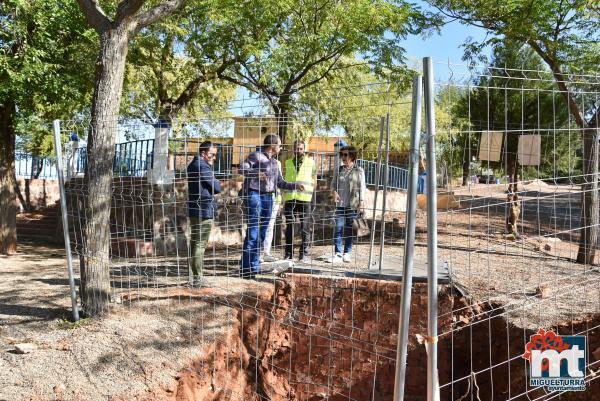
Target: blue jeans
(257, 212)
(344, 217)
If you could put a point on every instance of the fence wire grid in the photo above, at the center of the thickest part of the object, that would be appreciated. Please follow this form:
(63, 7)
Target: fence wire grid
(510, 185)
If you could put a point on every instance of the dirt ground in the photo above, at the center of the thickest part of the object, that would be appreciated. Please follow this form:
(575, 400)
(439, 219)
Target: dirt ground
(534, 276)
(139, 347)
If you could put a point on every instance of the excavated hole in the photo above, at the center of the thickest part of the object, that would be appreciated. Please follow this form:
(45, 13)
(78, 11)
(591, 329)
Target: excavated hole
(325, 338)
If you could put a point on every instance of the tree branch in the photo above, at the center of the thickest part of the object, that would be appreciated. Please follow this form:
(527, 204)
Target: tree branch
(94, 14)
(154, 14)
(561, 81)
(192, 88)
(239, 82)
(127, 9)
(334, 54)
(485, 23)
(318, 79)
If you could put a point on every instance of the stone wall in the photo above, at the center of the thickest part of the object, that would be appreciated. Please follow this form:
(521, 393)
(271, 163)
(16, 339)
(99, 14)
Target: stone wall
(34, 194)
(146, 213)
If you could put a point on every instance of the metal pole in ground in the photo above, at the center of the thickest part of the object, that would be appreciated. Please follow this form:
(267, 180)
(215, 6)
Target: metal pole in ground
(433, 390)
(409, 242)
(385, 186)
(65, 219)
(381, 127)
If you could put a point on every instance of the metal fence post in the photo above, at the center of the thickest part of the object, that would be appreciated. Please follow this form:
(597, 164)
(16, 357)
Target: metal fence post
(65, 219)
(373, 225)
(433, 391)
(386, 177)
(409, 242)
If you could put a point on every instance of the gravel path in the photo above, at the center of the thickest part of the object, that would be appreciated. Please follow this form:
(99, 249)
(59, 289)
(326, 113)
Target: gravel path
(138, 346)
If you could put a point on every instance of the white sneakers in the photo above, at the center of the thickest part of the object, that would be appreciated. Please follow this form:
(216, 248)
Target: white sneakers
(337, 258)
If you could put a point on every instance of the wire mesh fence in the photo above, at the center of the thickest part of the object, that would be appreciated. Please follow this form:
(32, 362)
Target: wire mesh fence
(313, 313)
(513, 226)
(302, 320)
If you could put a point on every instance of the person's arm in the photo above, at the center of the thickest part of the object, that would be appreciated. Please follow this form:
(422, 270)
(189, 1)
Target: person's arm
(250, 167)
(283, 184)
(363, 190)
(208, 180)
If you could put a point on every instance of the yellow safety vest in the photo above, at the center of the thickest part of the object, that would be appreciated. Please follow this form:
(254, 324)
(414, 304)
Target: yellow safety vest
(304, 176)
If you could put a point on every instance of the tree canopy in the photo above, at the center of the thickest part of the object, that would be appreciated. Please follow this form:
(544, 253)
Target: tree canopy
(300, 43)
(45, 66)
(44, 74)
(173, 66)
(565, 34)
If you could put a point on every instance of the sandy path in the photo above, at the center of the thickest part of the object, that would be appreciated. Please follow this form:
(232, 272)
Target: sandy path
(132, 351)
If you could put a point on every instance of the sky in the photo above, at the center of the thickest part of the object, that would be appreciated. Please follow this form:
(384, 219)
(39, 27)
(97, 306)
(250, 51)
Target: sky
(444, 46)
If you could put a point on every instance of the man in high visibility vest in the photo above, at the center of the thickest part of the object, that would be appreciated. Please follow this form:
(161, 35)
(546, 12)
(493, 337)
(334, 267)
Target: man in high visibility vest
(302, 170)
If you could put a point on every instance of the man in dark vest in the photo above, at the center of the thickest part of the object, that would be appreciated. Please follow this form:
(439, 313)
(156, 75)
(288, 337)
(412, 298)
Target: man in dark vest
(202, 207)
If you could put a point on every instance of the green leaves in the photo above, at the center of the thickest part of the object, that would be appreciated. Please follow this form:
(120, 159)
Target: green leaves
(306, 40)
(46, 64)
(565, 31)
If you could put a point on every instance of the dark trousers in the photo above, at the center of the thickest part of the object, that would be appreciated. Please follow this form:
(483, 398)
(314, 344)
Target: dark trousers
(302, 210)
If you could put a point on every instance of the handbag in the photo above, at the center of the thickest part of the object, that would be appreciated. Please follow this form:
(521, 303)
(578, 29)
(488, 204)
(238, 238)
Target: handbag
(360, 226)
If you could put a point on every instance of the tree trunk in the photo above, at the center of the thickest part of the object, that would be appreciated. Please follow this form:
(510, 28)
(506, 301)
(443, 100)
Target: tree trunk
(465, 173)
(512, 197)
(8, 199)
(589, 198)
(281, 115)
(95, 263)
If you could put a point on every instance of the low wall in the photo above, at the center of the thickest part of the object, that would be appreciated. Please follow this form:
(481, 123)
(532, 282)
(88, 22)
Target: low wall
(34, 194)
(149, 213)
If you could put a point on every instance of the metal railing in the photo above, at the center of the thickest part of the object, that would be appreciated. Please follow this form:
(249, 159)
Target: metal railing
(32, 167)
(135, 158)
(397, 176)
